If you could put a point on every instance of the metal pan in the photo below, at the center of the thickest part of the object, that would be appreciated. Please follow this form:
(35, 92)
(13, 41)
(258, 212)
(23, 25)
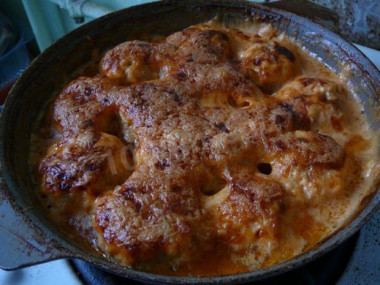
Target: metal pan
(27, 236)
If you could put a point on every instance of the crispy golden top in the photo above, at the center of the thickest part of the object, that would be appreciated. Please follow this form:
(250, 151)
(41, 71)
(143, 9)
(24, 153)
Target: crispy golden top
(210, 145)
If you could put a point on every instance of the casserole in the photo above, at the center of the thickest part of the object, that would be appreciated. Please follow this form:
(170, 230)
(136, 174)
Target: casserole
(47, 78)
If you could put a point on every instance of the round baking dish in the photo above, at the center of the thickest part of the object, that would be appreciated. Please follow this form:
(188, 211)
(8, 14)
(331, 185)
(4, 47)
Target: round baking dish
(31, 238)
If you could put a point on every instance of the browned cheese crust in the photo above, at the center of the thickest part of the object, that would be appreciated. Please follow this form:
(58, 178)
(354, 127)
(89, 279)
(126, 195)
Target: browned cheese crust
(195, 148)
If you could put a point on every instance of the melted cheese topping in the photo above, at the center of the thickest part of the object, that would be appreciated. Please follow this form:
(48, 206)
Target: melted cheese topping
(214, 151)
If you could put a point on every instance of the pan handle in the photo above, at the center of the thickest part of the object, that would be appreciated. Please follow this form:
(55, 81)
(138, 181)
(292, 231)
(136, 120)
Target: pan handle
(22, 243)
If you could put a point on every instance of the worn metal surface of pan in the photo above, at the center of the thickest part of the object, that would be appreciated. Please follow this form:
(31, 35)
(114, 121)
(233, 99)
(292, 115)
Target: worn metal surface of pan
(28, 237)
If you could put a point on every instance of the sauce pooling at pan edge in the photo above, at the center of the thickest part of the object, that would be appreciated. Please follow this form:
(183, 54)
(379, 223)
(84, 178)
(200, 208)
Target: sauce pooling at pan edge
(213, 151)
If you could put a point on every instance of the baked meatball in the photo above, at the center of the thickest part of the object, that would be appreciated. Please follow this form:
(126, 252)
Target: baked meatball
(317, 100)
(245, 213)
(89, 162)
(268, 64)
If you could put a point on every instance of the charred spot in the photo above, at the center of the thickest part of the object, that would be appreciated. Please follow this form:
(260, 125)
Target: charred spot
(259, 233)
(324, 136)
(64, 185)
(128, 195)
(92, 166)
(88, 123)
(140, 103)
(323, 98)
(281, 145)
(223, 36)
(258, 60)
(176, 189)
(128, 192)
(280, 120)
(147, 57)
(54, 171)
(300, 120)
(258, 41)
(189, 58)
(183, 228)
(105, 101)
(162, 164)
(81, 188)
(241, 34)
(181, 76)
(95, 137)
(214, 42)
(177, 98)
(168, 113)
(237, 187)
(285, 52)
(78, 97)
(175, 205)
(106, 216)
(307, 81)
(87, 91)
(222, 127)
(137, 205)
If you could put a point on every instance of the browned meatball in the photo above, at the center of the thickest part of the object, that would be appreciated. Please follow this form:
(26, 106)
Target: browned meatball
(269, 64)
(147, 219)
(132, 62)
(317, 99)
(87, 162)
(245, 213)
(200, 45)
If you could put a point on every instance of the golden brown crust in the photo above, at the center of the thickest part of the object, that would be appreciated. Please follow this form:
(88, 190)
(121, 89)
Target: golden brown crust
(169, 138)
(269, 64)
